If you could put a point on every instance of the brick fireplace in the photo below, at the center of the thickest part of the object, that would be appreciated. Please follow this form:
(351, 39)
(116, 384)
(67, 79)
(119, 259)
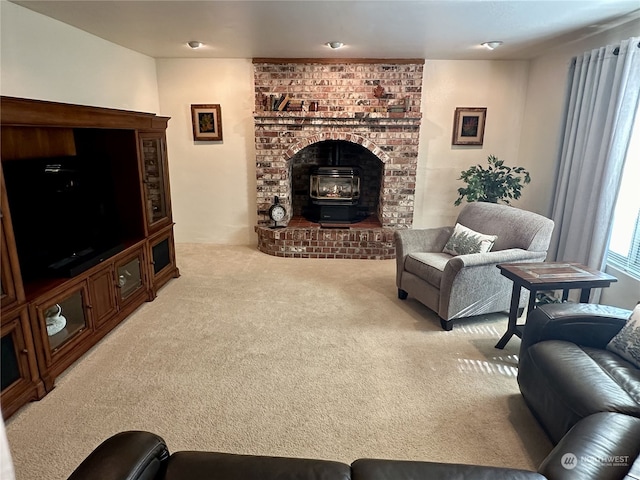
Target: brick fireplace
(371, 106)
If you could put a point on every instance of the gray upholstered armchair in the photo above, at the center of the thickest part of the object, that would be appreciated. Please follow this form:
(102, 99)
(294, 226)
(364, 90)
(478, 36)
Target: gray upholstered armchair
(467, 285)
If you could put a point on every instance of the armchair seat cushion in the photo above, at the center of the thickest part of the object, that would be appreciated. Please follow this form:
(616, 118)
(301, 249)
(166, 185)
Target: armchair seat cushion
(427, 266)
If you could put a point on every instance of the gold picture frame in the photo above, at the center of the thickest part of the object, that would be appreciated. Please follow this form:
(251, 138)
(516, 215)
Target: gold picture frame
(207, 122)
(468, 125)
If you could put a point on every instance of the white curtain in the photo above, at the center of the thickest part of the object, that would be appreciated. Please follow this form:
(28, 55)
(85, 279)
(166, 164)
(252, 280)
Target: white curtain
(602, 100)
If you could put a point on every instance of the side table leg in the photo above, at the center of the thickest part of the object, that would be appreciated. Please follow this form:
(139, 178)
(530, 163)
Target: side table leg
(585, 293)
(532, 300)
(513, 317)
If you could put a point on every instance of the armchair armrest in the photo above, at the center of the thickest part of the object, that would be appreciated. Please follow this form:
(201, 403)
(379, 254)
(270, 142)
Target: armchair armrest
(132, 455)
(418, 240)
(494, 258)
(585, 324)
(472, 284)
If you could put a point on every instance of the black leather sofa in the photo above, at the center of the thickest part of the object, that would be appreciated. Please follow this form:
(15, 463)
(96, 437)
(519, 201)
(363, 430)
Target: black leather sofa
(137, 455)
(596, 438)
(577, 389)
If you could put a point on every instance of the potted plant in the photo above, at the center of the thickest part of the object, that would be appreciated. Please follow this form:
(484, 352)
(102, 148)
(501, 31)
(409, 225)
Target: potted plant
(496, 183)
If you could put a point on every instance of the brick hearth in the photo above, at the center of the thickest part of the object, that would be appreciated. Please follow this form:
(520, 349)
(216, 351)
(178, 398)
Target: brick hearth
(304, 239)
(356, 101)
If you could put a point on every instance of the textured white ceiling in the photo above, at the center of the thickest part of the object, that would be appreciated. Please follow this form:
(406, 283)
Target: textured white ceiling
(434, 29)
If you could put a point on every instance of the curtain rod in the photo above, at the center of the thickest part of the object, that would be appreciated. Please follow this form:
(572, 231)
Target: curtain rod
(616, 50)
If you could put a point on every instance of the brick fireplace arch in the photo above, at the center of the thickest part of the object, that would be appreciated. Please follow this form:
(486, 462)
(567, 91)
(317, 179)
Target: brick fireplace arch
(347, 137)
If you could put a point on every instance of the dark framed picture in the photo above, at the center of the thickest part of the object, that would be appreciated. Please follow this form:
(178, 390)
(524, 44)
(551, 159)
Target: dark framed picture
(468, 125)
(207, 122)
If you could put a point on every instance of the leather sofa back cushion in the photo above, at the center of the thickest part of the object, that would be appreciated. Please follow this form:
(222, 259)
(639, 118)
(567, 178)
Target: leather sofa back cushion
(626, 343)
(589, 379)
(374, 469)
(202, 465)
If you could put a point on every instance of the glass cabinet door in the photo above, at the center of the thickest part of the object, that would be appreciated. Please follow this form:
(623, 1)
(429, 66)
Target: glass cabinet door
(7, 292)
(65, 319)
(7, 285)
(10, 361)
(129, 277)
(19, 378)
(161, 255)
(152, 148)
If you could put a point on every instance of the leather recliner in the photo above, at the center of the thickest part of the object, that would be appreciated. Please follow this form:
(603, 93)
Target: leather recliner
(565, 371)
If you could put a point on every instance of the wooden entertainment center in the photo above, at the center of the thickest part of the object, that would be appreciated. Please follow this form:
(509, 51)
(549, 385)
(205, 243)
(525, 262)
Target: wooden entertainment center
(86, 237)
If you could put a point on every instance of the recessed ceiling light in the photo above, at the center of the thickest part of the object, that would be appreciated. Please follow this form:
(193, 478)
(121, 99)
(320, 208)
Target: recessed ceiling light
(492, 45)
(195, 44)
(335, 45)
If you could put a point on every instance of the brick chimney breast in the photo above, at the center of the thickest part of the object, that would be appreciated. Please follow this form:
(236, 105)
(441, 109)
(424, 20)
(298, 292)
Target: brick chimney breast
(371, 103)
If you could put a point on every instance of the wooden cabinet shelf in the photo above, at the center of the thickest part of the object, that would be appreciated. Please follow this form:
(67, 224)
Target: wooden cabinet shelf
(86, 220)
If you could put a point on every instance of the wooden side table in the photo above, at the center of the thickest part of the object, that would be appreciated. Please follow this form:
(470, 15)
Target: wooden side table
(547, 276)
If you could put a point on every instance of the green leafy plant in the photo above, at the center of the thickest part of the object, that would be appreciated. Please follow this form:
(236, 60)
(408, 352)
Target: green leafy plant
(493, 184)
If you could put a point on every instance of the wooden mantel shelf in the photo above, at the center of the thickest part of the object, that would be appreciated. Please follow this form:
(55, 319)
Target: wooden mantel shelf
(329, 118)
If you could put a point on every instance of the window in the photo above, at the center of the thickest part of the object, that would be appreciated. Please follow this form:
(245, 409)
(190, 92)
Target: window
(624, 245)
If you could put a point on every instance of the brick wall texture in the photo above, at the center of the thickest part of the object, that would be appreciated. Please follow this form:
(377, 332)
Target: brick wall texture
(375, 105)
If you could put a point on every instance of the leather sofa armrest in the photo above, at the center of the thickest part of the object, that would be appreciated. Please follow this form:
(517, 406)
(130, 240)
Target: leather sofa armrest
(131, 455)
(603, 445)
(372, 469)
(585, 324)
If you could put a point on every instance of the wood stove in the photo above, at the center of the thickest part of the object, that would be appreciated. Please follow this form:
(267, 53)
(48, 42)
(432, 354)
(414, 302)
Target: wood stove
(334, 194)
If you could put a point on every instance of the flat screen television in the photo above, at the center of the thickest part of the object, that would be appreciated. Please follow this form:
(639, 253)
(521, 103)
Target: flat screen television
(64, 214)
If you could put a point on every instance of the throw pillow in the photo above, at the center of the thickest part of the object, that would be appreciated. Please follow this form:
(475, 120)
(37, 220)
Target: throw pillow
(626, 343)
(463, 241)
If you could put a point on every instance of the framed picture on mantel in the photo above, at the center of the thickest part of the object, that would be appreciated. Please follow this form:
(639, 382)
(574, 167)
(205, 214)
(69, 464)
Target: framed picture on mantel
(207, 122)
(468, 125)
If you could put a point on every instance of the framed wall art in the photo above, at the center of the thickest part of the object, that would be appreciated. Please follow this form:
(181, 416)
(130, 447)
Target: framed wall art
(207, 122)
(468, 125)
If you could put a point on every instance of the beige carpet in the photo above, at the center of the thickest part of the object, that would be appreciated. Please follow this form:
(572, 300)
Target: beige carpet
(255, 354)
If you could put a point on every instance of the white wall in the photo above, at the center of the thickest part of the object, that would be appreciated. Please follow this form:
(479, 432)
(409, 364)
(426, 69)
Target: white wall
(44, 59)
(213, 184)
(500, 86)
